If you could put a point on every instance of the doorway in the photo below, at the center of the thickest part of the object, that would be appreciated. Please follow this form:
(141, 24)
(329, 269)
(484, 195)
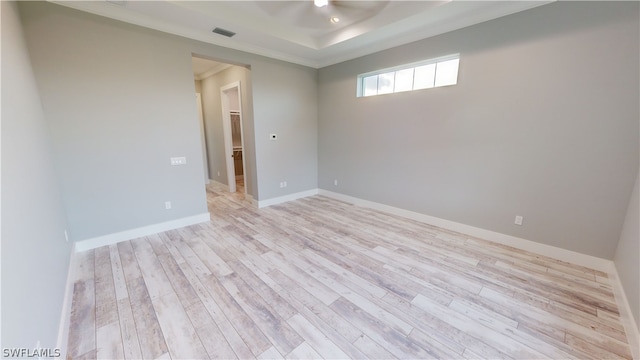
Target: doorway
(231, 99)
(228, 131)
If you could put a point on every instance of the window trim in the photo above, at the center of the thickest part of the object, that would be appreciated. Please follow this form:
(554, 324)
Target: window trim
(413, 65)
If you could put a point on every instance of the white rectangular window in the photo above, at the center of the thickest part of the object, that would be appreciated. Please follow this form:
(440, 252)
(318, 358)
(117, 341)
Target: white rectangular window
(426, 74)
(385, 83)
(370, 85)
(404, 80)
(447, 73)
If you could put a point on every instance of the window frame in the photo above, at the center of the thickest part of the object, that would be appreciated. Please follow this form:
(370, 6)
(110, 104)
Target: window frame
(360, 88)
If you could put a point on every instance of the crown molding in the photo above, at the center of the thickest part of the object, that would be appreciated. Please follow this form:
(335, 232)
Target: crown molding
(115, 12)
(441, 19)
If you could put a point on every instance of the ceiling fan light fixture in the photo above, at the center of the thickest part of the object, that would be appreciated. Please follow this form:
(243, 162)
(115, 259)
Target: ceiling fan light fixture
(321, 3)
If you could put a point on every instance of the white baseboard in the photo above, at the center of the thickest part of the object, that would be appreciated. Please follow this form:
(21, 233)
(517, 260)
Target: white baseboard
(97, 242)
(626, 317)
(283, 199)
(573, 257)
(65, 317)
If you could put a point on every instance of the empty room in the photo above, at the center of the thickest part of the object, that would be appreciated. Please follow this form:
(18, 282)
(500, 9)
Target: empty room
(320, 179)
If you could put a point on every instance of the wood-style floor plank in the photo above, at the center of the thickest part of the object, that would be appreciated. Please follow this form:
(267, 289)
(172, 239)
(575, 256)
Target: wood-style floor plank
(315, 338)
(106, 306)
(109, 342)
(281, 335)
(246, 328)
(128, 331)
(270, 354)
(210, 335)
(150, 337)
(303, 351)
(82, 341)
(320, 278)
(179, 333)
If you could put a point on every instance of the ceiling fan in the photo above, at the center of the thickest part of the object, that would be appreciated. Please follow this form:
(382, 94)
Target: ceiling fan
(300, 13)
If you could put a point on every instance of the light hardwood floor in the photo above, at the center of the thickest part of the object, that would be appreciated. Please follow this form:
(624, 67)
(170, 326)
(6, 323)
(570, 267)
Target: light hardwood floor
(318, 278)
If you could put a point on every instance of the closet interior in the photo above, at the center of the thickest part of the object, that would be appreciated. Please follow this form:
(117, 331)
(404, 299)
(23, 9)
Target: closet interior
(236, 138)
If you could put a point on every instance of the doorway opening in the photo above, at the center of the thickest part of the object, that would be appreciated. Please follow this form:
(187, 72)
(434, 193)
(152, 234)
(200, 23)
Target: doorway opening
(231, 101)
(226, 124)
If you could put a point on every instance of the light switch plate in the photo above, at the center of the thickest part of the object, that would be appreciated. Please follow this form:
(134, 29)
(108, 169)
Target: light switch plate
(179, 160)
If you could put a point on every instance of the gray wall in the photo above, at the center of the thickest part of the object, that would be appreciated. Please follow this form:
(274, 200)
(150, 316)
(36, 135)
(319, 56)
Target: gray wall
(291, 92)
(212, 108)
(119, 99)
(35, 256)
(120, 105)
(543, 123)
(628, 253)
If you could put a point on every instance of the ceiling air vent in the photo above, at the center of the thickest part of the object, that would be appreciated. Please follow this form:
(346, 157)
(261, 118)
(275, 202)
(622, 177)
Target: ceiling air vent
(223, 32)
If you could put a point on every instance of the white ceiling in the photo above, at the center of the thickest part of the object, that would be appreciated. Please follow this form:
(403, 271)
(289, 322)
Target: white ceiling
(298, 31)
(203, 68)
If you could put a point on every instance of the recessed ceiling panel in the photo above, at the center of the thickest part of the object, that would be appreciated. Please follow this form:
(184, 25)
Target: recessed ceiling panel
(300, 32)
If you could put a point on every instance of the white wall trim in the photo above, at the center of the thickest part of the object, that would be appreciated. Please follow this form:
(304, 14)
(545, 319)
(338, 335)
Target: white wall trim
(65, 317)
(99, 241)
(519, 243)
(626, 316)
(285, 198)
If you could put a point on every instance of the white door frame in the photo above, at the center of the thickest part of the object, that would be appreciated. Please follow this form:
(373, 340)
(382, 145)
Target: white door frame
(228, 141)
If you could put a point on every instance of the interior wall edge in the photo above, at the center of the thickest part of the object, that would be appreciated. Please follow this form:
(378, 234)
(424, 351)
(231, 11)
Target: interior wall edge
(65, 317)
(626, 316)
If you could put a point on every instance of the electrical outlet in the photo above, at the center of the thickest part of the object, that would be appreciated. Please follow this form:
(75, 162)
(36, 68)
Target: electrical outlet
(66, 236)
(335, 182)
(167, 205)
(518, 220)
(218, 173)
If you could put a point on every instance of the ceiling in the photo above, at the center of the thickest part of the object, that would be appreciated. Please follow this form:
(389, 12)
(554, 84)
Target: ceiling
(203, 68)
(300, 32)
